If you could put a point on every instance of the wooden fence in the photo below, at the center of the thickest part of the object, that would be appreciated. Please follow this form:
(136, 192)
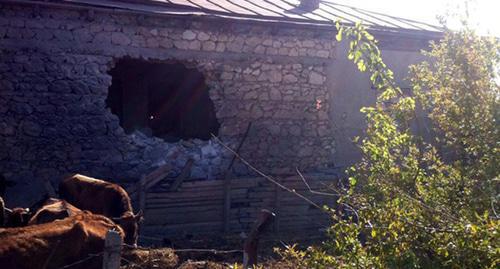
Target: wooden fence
(197, 206)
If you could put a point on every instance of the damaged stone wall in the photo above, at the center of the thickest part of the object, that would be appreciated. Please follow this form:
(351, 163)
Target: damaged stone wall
(54, 82)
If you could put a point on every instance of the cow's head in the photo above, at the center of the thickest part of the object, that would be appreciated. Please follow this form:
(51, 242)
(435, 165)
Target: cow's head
(130, 225)
(17, 217)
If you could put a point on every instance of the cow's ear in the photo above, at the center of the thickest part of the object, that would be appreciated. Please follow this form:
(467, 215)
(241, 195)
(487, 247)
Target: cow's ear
(139, 216)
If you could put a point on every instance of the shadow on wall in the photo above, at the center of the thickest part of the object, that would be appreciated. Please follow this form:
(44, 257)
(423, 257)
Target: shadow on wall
(162, 99)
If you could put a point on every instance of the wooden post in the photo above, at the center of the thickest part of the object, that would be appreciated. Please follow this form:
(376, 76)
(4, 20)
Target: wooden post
(227, 183)
(277, 205)
(112, 250)
(185, 173)
(142, 195)
(250, 247)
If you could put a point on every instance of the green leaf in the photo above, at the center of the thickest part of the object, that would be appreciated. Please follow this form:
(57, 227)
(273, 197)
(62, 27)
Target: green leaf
(339, 35)
(352, 181)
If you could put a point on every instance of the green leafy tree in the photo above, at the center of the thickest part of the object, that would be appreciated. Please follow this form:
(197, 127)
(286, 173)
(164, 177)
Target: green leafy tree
(413, 204)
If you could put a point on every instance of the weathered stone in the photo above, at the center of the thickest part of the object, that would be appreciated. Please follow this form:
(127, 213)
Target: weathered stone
(308, 44)
(316, 78)
(274, 130)
(120, 39)
(195, 45)
(260, 49)
(152, 42)
(283, 51)
(275, 94)
(31, 128)
(275, 76)
(208, 46)
(189, 35)
(289, 78)
(323, 53)
(227, 75)
(257, 111)
(220, 47)
(166, 43)
(6, 129)
(202, 36)
(250, 95)
(181, 44)
(295, 130)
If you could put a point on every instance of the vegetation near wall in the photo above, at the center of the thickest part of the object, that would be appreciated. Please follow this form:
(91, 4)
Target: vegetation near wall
(414, 204)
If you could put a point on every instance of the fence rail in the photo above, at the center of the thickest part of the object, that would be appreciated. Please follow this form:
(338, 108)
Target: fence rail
(199, 206)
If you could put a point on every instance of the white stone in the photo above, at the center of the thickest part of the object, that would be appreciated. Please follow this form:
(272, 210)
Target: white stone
(283, 51)
(275, 95)
(220, 47)
(195, 45)
(274, 130)
(289, 78)
(267, 42)
(208, 46)
(119, 39)
(152, 43)
(202, 36)
(250, 95)
(295, 130)
(322, 53)
(293, 52)
(308, 43)
(260, 49)
(275, 76)
(316, 78)
(181, 44)
(227, 75)
(253, 41)
(189, 35)
(257, 111)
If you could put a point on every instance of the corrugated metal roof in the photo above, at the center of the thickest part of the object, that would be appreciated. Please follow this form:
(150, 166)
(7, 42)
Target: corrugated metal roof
(275, 10)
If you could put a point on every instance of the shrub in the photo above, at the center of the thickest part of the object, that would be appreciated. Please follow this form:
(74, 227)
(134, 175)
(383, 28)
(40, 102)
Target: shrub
(414, 204)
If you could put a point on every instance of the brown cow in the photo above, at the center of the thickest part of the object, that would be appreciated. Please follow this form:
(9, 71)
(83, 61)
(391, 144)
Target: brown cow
(101, 197)
(56, 244)
(52, 210)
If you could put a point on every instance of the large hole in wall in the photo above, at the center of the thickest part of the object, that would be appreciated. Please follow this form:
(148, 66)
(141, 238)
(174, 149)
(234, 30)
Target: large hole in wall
(166, 100)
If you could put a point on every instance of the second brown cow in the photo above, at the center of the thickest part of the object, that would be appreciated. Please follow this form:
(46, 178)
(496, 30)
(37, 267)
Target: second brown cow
(102, 197)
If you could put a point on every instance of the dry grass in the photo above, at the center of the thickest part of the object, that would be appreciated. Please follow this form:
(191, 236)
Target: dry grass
(163, 258)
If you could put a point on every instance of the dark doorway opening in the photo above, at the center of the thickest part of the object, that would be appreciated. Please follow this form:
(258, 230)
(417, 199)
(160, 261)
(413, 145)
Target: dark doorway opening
(166, 100)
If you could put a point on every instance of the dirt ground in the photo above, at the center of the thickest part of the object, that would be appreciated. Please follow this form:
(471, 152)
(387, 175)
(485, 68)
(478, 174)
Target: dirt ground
(206, 253)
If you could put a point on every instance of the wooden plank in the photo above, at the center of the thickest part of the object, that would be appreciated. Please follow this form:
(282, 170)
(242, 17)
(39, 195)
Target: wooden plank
(150, 179)
(185, 173)
(142, 196)
(181, 195)
(159, 216)
(227, 181)
(182, 204)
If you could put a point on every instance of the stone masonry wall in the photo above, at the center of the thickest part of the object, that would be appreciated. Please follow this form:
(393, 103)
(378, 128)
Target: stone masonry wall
(54, 81)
